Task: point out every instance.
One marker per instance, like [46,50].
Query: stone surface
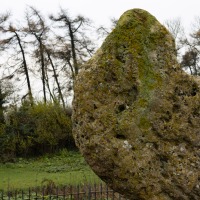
[137,114]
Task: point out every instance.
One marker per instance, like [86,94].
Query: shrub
[36,130]
[7,145]
[53,127]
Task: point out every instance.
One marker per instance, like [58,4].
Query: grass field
[61,169]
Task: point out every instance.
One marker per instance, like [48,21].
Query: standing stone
[136,116]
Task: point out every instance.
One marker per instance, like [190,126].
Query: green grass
[62,169]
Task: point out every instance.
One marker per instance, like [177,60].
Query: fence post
[71,191]
[8,195]
[101,191]
[36,194]
[29,193]
[64,192]
[106,192]
[89,192]
[78,192]
[22,195]
[57,192]
[42,192]
[95,191]
[2,194]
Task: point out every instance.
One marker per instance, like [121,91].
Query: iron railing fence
[79,192]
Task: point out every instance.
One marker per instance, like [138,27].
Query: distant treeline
[35,130]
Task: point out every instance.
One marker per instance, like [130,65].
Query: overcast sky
[100,11]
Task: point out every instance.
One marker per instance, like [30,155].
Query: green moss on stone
[136,114]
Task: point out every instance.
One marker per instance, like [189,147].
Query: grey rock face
[136,116]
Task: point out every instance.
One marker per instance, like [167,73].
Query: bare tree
[77,47]
[45,54]
[176,28]
[57,54]
[103,31]
[37,27]
[190,61]
[49,53]
[14,39]
[191,57]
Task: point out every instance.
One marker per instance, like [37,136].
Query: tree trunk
[25,68]
[75,63]
[42,67]
[56,79]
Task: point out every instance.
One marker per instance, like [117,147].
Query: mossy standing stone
[136,114]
